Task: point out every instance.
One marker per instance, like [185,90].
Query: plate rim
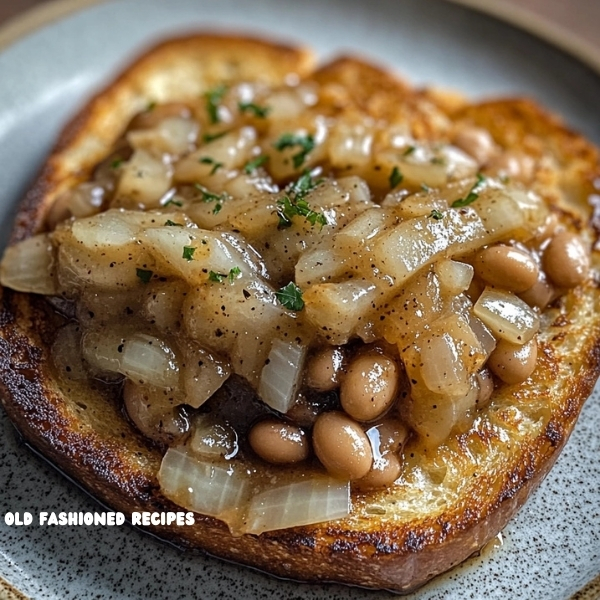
[37,17]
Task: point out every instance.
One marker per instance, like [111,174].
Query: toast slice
[449,501]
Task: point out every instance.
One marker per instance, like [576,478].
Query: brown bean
[392,434]
[566,260]
[278,442]
[369,388]
[324,369]
[512,363]
[385,470]
[475,141]
[515,165]
[342,446]
[506,267]
[539,294]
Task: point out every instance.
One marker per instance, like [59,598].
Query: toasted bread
[448,502]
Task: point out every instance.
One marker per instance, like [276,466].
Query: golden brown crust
[86,435]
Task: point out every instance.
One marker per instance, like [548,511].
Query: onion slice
[303,503]
[281,375]
[207,488]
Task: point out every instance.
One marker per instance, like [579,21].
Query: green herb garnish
[234,273]
[253,164]
[210,137]
[290,296]
[117,162]
[409,151]
[436,160]
[188,252]
[174,202]
[169,223]
[294,203]
[151,106]
[259,111]
[395,177]
[472,195]
[436,214]
[144,275]
[207,160]
[290,140]
[425,188]
[210,197]
[213,100]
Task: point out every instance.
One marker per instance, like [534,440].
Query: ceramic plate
[552,548]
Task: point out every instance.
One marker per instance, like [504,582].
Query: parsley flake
[188,252]
[410,150]
[253,164]
[425,188]
[211,137]
[210,197]
[472,195]
[213,100]
[259,111]
[144,275]
[117,162]
[173,202]
[395,177]
[290,296]
[436,214]
[151,106]
[207,160]
[294,203]
[169,223]
[234,273]
[290,140]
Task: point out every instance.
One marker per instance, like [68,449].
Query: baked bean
[486,388]
[392,434]
[278,442]
[512,363]
[506,267]
[369,387]
[324,369]
[342,446]
[540,294]
[514,165]
[476,142]
[385,470]
[566,260]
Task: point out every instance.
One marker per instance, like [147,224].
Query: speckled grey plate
[551,550]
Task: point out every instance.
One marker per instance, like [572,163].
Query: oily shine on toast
[448,501]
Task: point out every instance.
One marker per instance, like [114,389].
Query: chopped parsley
[395,177]
[259,111]
[410,150]
[472,195]
[425,188]
[173,202]
[294,203]
[436,160]
[151,106]
[117,162]
[207,160]
[188,252]
[234,273]
[211,137]
[253,164]
[436,214]
[291,140]
[144,275]
[213,100]
[210,197]
[290,296]
[169,223]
